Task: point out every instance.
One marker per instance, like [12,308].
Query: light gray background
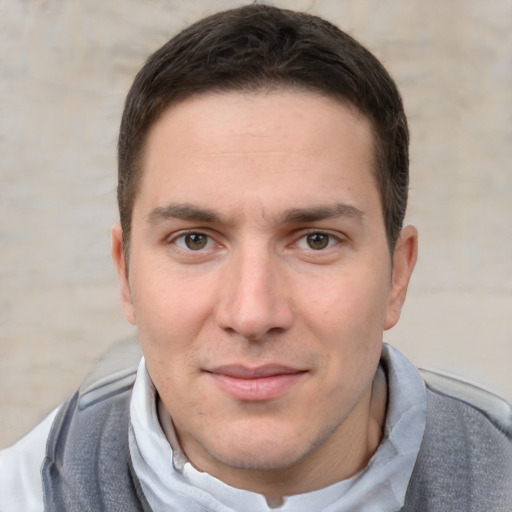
[65,68]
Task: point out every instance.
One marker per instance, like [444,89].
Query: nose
[254,299]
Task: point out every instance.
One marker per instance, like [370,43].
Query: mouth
[259,384]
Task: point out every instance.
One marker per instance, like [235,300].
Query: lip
[256,384]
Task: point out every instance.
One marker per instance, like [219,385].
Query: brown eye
[195,241]
[318,241]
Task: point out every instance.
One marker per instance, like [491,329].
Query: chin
[262,460]
[273,452]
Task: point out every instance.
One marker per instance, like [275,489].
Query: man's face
[260,277]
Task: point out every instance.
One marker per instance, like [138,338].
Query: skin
[258,244]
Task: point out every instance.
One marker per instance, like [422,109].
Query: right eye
[193,241]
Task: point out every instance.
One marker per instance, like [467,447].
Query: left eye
[317,241]
[193,241]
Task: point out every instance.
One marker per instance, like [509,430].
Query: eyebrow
[317,213]
[183,212]
[190,212]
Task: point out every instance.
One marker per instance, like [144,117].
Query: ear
[404,260]
[122,272]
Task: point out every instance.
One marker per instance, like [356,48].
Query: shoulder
[465,459]
[87,457]
[97,411]
[470,433]
[20,470]
[447,392]
[21,487]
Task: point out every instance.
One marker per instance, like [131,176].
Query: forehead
[236,108]
[257,142]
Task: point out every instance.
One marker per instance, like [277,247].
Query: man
[263,175]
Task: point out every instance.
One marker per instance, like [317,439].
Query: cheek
[351,306]
[164,300]
[170,317]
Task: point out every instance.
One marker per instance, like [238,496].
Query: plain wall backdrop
[65,68]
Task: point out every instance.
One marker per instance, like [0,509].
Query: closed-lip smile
[256,384]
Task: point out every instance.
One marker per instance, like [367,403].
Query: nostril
[230,330]
[276,330]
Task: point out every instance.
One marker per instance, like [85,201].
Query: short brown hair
[260,47]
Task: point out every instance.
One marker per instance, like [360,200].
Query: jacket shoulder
[497,410]
[114,373]
[87,465]
[465,459]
